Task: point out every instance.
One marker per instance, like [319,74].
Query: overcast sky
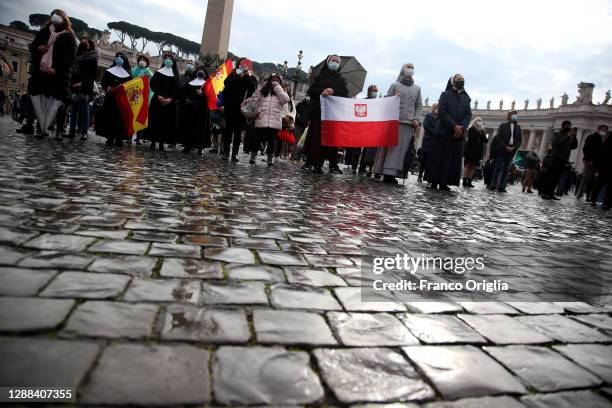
[530,49]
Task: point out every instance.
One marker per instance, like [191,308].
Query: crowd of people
[264,116]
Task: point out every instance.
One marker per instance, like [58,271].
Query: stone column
[532,136]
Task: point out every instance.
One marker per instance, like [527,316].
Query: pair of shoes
[234,158]
[317,170]
[70,135]
[353,172]
[26,130]
[469,183]
[40,135]
[161,147]
[213,150]
[420,179]
[529,192]
[199,152]
[58,137]
[390,180]
[369,174]
[377,176]
[433,186]
[502,190]
[270,162]
[335,170]
[444,188]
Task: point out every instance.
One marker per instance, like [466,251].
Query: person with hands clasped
[503,148]
[454,115]
[109,122]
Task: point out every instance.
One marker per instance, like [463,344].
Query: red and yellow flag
[215,83]
[133,100]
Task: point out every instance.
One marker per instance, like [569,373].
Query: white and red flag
[347,122]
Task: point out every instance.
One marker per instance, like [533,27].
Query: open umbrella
[46,108]
[351,70]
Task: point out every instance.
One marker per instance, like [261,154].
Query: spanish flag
[133,100]
[215,83]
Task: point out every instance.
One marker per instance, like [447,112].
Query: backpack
[250,106]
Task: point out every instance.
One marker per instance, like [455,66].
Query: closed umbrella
[351,70]
[45,108]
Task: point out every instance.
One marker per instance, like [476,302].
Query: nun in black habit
[110,124]
[195,116]
[454,115]
[166,88]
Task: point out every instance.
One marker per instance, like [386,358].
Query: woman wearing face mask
[268,121]
[195,116]
[329,82]
[110,124]
[454,113]
[239,85]
[140,70]
[392,162]
[162,112]
[429,125]
[474,150]
[83,87]
[53,56]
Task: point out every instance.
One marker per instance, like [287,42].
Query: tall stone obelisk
[215,38]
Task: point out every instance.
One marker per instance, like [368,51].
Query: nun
[195,116]
[166,87]
[110,125]
[392,162]
[454,116]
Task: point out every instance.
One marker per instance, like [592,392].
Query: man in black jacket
[563,142]
[603,172]
[591,156]
[503,148]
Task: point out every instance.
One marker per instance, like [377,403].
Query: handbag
[250,106]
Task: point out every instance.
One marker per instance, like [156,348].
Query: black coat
[502,140]
[64,57]
[444,163]
[162,118]
[326,79]
[302,111]
[562,145]
[236,89]
[593,149]
[194,117]
[429,124]
[475,146]
[86,72]
[109,122]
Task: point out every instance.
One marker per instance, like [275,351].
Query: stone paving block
[578,307]
[190,268]
[139,266]
[370,374]
[245,293]
[298,297]
[11,256]
[60,242]
[205,241]
[149,375]
[227,232]
[23,282]
[438,329]
[234,255]
[313,277]
[290,327]
[601,321]
[536,308]
[23,314]
[266,273]
[483,402]
[463,371]
[15,237]
[543,369]
[28,361]
[564,329]
[164,290]
[119,246]
[255,243]
[208,325]
[485,308]
[284,258]
[155,236]
[370,329]
[86,285]
[264,375]
[328,261]
[596,358]
[111,320]
[426,307]
[175,250]
[351,300]
[54,259]
[567,399]
[502,329]
[108,234]
[287,246]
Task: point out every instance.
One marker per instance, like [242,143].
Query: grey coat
[391,161]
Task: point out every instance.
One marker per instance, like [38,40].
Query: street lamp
[297,71]
[285,68]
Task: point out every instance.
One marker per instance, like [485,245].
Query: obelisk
[215,38]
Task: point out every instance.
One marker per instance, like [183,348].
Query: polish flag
[347,122]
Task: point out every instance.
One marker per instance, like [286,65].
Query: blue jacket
[453,109]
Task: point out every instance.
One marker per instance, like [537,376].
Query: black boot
[71,134]
[469,183]
[152,147]
[389,180]
[161,147]
[26,129]
[465,183]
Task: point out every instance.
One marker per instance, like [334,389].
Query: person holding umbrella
[454,114]
[392,162]
[53,56]
[110,124]
[328,82]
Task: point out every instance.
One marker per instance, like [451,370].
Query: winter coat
[593,149]
[86,72]
[502,140]
[64,57]
[410,101]
[326,79]
[270,109]
[562,145]
[429,124]
[475,146]
[236,90]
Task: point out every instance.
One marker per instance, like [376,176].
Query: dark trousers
[553,175]
[423,163]
[233,131]
[79,116]
[500,171]
[602,181]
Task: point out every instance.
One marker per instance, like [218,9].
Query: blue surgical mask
[514,118]
[168,63]
[118,61]
[374,95]
[333,65]
[189,67]
[239,71]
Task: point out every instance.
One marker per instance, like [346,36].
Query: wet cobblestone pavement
[157,278]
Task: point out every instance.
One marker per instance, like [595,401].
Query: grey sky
[528,49]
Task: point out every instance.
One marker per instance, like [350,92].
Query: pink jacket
[270,112]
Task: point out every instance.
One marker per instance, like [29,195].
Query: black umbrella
[350,69]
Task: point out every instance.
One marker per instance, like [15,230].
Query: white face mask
[57,19]
[142,64]
[409,71]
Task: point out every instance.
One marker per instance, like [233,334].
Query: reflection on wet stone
[86,285]
[191,268]
[313,277]
[23,282]
[365,329]
[255,272]
[175,250]
[282,258]
[247,293]
[296,297]
[568,399]
[236,255]
[170,290]
[21,314]
[434,329]
[117,246]
[501,329]
[564,329]
[140,266]
[288,327]
[209,325]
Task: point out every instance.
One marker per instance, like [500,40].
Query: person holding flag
[110,124]
[162,112]
[139,71]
